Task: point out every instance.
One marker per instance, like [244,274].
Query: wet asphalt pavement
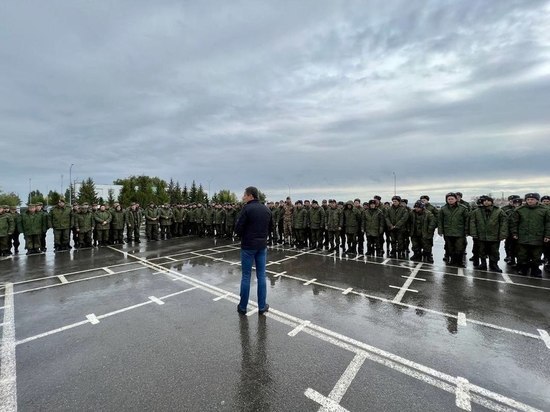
[154,327]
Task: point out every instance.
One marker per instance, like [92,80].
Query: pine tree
[185,194]
[53,198]
[87,193]
[111,197]
[193,193]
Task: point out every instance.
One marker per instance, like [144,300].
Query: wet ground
[155,327]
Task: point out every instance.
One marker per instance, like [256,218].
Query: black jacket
[253,225]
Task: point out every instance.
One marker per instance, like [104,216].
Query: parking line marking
[507,278]
[545,337]
[325,402]
[172,259]
[422,279]
[401,288]
[276,275]
[407,283]
[92,319]
[156,300]
[180,292]
[298,328]
[461,319]
[253,311]
[463,398]
[347,377]
[8,370]
[309,282]
[62,279]
[385,261]
[460,272]
[109,271]
[221,297]
[348,290]
[52,332]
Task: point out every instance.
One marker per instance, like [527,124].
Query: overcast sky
[322,98]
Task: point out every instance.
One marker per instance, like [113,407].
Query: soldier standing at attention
[299,222]
[31,227]
[317,224]
[351,227]
[84,223]
[396,219]
[453,226]
[152,222]
[545,200]
[134,217]
[508,209]
[531,227]
[117,224]
[489,225]
[45,224]
[165,220]
[373,227]
[61,222]
[102,223]
[15,235]
[422,227]
[288,210]
[7,226]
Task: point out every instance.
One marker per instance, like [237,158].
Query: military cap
[418,204]
[299,202]
[365,203]
[31,205]
[39,204]
[151,203]
[487,197]
[512,197]
[314,202]
[406,201]
[4,207]
[459,194]
[377,197]
[451,194]
[133,204]
[85,204]
[425,197]
[398,198]
[517,201]
[341,203]
[545,197]
[61,199]
[532,196]
[357,200]
[372,202]
[13,207]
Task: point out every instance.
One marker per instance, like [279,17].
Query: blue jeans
[248,256]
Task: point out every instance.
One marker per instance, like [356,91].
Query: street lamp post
[71,184]
[30,182]
[394,184]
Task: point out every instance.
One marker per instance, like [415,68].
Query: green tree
[178,197]
[224,196]
[111,197]
[10,199]
[202,197]
[185,194]
[36,197]
[261,196]
[87,193]
[193,193]
[142,189]
[53,198]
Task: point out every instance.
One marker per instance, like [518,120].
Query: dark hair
[252,191]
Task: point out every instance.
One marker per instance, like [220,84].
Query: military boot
[475,260]
[428,258]
[482,264]
[494,267]
[535,271]
[523,269]
[416,257]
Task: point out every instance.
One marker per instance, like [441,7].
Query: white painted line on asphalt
[298,328]
[507,278]
[348,290]
[461,319]
[221,297]
[545,337]
[309,282]
[422,279]
[406,285]
[252,312]
[347,377]
[160,272]
[52,332]
[385,261]
[325,402]
[92,319]
[109,271]
[8,370]
[62,279]
[156,300]
[463,399]
[460,272]
[172,259]
[276,275]
[180,292]
[401,288]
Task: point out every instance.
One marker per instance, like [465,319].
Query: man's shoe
[242,312]
[261,312]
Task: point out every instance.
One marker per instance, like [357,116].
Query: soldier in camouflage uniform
[152,222]
[177,226]
[531,227]
[545,201]
[299,223]
[307,230]
[288,210]
[373,227]
[324,205]
[422,225]
[117,224]
[453,226]
[7,226]
[219,220]
[333,223]
[317,224]
[358,209]
[84,223]
[74,213]
[508,209]
[61,222]
[45,224]
[30,225]
[15,235]
[351,227]
[209,220]
[165,220]
[103,224]
[397,217]
[133,220]
[230,219]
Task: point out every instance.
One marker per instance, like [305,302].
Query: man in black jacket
[253,227]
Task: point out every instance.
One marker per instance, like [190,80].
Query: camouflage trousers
[287,228]
[529,254]
[33,242]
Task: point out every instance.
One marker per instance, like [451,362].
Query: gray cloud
[323,97]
